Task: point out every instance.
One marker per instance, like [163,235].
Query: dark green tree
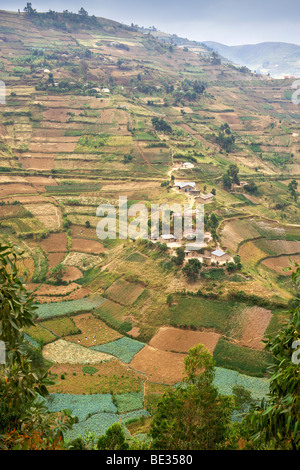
[193,416]
[192,269]
[292,187]
[113,439]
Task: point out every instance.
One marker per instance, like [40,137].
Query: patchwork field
[159,366]
[116,318]
[176,340]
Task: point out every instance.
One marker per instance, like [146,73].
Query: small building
[185,186]
[168,237]
[187,165]
[220,256]
[195,192]
[105,90]
[205,198]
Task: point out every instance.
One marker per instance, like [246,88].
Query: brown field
[74,295]
[81,231]
[34,163]
[279,263]
[134,332]
[72,273]
[159,366]
[87,246]
[56,242]
[56,114]
[110,377]
[41,180]
[93,331]
[48,290]
[15,188]
[248,327]
[175,339]
[256,323]
[55,258]
[55,147]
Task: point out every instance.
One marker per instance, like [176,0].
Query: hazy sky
[231,22]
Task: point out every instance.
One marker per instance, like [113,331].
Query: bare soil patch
[55,258]
[134,332]
[76,294]
[15,188]
[83,232]
[72,274]
[280,262]
[159,366]
[249,326]
[175,339]
[56,242]
[87,246]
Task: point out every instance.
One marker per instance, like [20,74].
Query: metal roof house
[185,186]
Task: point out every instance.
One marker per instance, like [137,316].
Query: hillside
[96,110]
[278,59]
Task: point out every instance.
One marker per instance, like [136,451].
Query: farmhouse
[195,192]
[187,165]
[205,198]
[168,237]
[185,186]
[220,256]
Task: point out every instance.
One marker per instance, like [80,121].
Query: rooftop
[218,253]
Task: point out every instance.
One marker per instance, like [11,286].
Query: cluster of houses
[194,249]
[189,188]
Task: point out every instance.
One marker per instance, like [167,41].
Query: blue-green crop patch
[96,424]
[56,309]
[226,379]
[129,401]
[81,406]
[123,348]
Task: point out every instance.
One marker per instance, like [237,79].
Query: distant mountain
[279,59]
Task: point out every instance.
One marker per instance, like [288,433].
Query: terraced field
[116,317]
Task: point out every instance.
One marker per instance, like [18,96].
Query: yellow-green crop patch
[40,334]
[61,326]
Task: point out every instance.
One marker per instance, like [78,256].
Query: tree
[180,256]
[114,439]
[275,423]
[29,10]
[194,416]
[161,125]
[58,272]
[23,420]
[292,187]
[233,171]
[226,181]
[169,300]
[251,187]
[192,269]
[83,12]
